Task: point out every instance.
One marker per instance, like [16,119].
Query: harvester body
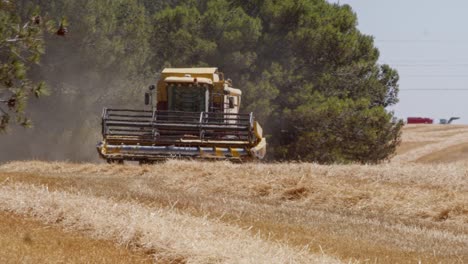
[192,113]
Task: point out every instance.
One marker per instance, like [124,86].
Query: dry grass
[407,146]
[457,153]
[382,213]
[199,212]
[171,237]
[29,241]
[430,143]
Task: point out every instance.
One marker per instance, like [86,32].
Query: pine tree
[21,45]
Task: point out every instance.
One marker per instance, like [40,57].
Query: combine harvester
[192,113]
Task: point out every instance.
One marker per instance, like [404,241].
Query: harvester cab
[191,113]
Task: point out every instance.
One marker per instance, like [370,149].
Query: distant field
[412,209]
[433,144]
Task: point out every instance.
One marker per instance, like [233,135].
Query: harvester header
[190,113]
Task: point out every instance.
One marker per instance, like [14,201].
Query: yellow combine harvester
[193,113]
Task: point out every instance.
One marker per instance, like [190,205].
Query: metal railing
[175,127]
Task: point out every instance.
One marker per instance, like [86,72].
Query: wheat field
[413,209]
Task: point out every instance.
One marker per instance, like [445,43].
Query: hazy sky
[427,42]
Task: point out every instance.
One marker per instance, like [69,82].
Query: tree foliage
[21,45]
[309,75]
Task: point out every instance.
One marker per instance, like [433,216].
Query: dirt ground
[24,240]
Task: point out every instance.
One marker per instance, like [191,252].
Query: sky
[427,42]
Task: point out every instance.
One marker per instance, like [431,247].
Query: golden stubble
[384,213]
[412,209]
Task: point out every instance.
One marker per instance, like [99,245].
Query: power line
[430,65]
[435,89]
[427,60]
[432,75]
[423,40]
[430,62]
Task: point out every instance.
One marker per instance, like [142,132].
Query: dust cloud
[67,124]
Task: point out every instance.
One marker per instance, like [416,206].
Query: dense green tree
[216,34]
[330,86]
[312,79]
[291,57]
[330,129]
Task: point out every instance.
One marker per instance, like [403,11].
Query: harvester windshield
[187,97]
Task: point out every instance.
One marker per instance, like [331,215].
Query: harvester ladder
[154,130]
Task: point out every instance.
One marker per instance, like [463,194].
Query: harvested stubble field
[412,209]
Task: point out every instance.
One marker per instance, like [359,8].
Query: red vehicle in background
[420,120]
